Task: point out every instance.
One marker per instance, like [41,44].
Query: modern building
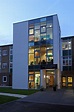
[6,63]
[37,54]
[67,61]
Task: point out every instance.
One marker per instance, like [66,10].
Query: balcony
[43,65]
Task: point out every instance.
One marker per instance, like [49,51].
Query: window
[67,61]
[49,25]
[11,58]
[31,38]
[0,52]
[69,79]
[66,44]
[37,35]
[37,53]
[43,36]
[0,58]
[4,52]
[63,81]
[31,31]
[11,64]
[4,65]
[49,33]
[31,43]
[37,26]
[42,19]
[43,29]
[0,65]
[4,78]
[11,51]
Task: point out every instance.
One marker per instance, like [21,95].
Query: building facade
[6,57]
[36,49]
[67,61]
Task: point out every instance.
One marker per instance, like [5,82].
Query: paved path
[61,97]
[46,101]
[15,95]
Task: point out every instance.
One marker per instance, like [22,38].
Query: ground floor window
[34,80]
[4,78]
[67,81]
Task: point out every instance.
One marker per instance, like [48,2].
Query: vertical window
[4,78]
[37,35]
[43,29]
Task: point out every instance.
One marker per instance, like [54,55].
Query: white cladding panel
[56,40]
[20,55]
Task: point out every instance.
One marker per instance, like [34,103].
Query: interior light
[44,76]
[48,48]
[69,42]
[50,26]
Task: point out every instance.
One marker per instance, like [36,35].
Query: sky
[12,11]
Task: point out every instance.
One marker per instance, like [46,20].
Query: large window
[34,80]
[43,29]
[37,35]
[66,54]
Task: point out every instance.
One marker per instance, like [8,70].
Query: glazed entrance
[49,78]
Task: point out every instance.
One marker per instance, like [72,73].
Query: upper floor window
[31,31]
[4,52]
[11,51]
[43,29]
[49,25]
[31,38]
[0,65]
[42,19]
[11,64]
[0,52]
[37,26]
[66,44]
[4,65]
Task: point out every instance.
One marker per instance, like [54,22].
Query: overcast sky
[12,11]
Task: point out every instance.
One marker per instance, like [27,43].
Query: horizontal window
[31,38]
[4,52]
[4,65]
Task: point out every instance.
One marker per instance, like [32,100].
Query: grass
[17,91]
[5,99]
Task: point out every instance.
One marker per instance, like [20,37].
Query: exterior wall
[5,59]
[68,73]
[4,71]
[20,57]
[72,53]
[56,48]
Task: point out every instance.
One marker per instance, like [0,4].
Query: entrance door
[51,82]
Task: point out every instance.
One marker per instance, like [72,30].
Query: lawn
[17,91]
[5,99]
